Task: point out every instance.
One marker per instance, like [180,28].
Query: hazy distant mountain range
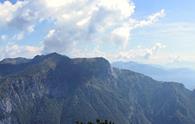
[182,75]
[54,89]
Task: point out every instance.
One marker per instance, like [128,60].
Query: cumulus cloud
[8,9]
[139,53]
[95,22]
[151,51]
[99,22]
[150,19]
[14,50]
[19,18]
[86,26]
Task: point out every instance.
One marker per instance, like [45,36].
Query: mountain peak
[82,67]
[52,56]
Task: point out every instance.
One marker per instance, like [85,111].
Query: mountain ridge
[55,89]
[182,75]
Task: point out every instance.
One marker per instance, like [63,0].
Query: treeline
[97,122]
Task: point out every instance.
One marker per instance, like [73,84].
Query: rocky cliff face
[54,89]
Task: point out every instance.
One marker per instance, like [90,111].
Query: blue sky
[13,1]
[175,30]
[181,10]
[147,31]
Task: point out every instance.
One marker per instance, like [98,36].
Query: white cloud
[97,22]
[57,3]
[7,10]
[125,7]
[151,54]
[3,37]
[150,19]
[14,50]
[140,53]
[151,51]
[78,25]
[19,18]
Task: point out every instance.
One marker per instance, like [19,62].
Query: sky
[147,31]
